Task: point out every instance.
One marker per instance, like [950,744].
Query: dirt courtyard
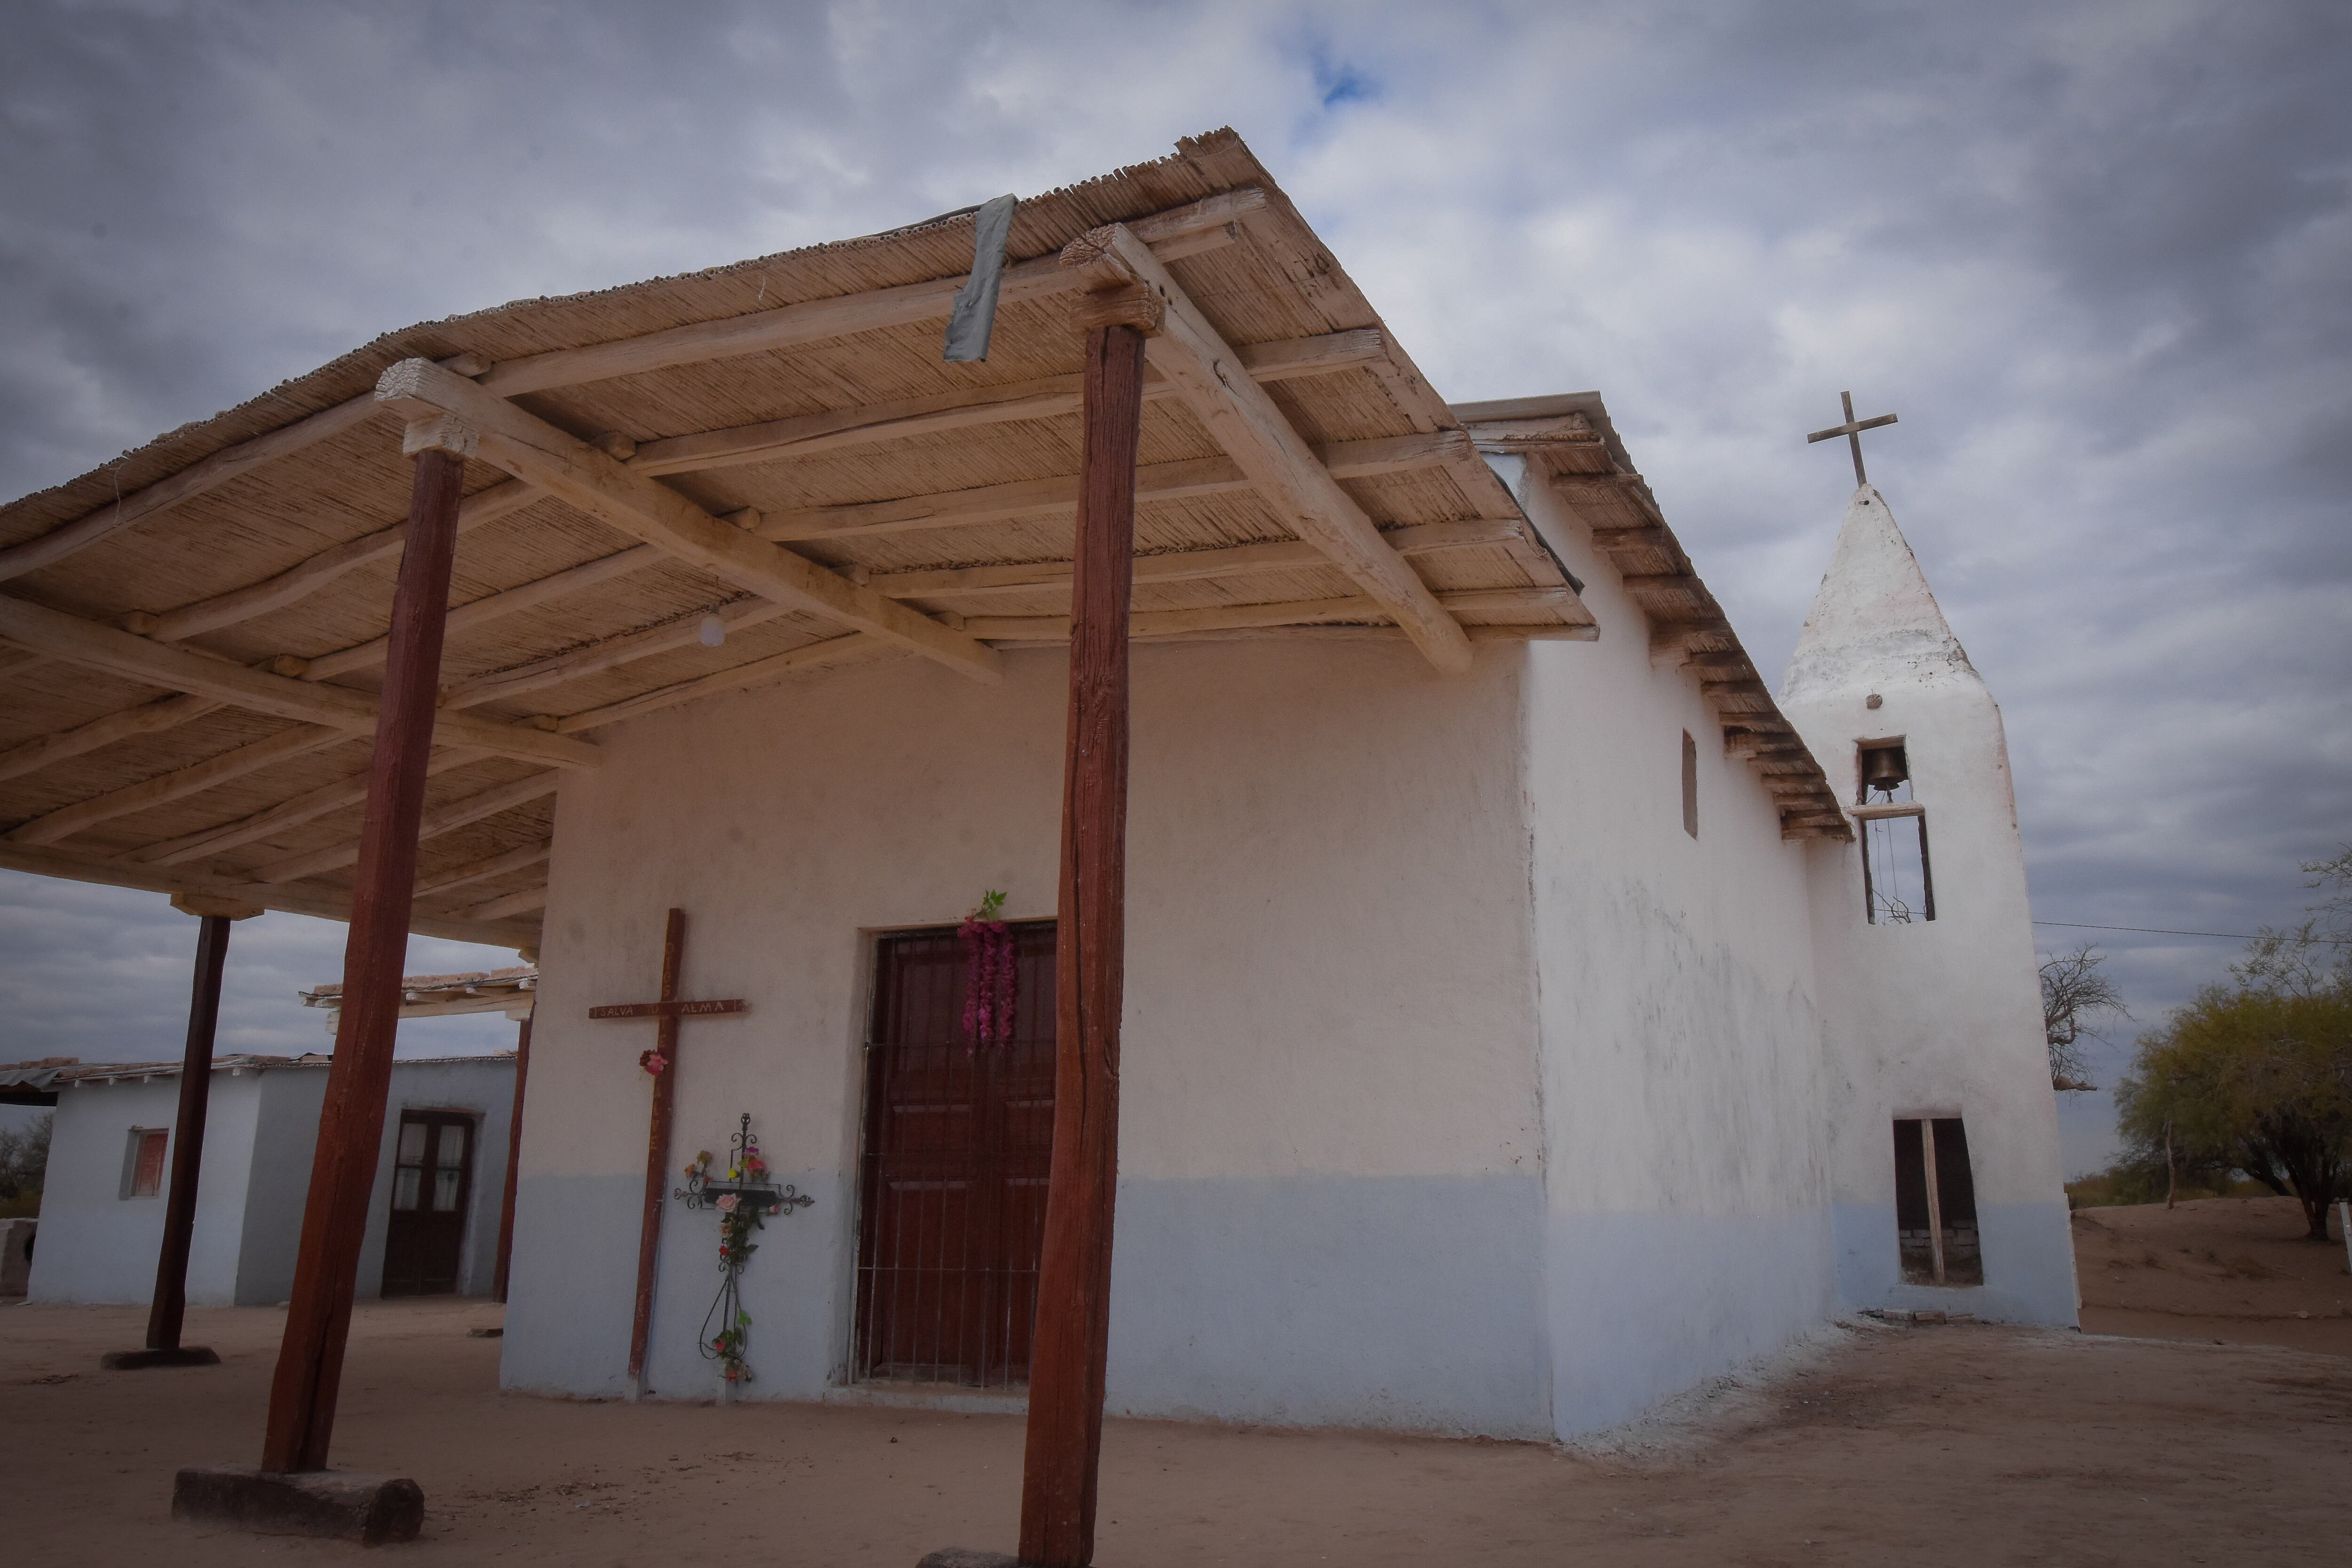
[1957,1444]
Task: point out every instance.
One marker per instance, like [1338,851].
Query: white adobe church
[1493,1062]
[1512,1036]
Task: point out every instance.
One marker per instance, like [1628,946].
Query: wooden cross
[1851,430]
[662,1062]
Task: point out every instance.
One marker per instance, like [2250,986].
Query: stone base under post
[337,1504]
[179,1355]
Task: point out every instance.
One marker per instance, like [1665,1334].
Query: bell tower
[1943,1156]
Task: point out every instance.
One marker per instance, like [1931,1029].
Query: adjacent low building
[433,1226]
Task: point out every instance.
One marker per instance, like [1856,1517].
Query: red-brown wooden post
[514,1159]
[641,1324]
[167,1311]
[350,1124]
[1073,1334]
[169,1308]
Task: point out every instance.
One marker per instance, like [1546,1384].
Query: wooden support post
[350,1124]
[1935,1199]
[514,1158]
[168,1310]
[1065,1377]
[169,1307]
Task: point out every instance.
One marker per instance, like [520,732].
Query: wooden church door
[958,1143]
[432,1178]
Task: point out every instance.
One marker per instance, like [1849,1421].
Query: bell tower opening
[1897,886]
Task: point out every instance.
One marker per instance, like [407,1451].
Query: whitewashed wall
[1331,1203]
[1686,1199]
[97,1246]
[1940,1017]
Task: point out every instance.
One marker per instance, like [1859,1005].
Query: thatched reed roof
[193,632]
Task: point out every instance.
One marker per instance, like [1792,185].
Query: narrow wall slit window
[1935,1203]
[1690,785]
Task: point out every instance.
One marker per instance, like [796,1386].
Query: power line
[2160,931]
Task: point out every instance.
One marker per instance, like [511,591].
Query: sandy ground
[1955,1445]
[2237,1270]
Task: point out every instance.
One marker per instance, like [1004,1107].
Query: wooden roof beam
[227,463]
[742,677]
[446,818]
[309,806]
[147,718]
[1186,566]
[326,903]
[537,452]
[1043,397]
[93,647]
[83,815]
[306,577]
[488,866]
[1244,422]
[1182,230]
[1284,612]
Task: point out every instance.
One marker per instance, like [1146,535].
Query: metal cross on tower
[1851,430]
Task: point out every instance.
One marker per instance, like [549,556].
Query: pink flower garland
[988,997]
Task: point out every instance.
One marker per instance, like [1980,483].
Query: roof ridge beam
[1194,226]
[1244,421]
[95,646]
[529,448]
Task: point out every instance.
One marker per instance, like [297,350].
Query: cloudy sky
[2097,255]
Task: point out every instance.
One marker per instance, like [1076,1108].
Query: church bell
[1884,768]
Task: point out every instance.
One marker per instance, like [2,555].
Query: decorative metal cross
[661,1062]
[742,1194]
[1851,430]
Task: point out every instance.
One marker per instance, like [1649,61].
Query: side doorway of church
[959,1140]
[432,1182]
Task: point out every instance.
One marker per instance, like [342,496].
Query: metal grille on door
[959,1139]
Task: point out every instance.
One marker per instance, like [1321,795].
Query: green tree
[2255,1078]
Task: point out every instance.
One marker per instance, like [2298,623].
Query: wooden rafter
[1287,613]
[327,903]
[1287,474]
[533,450]
[309,806]
[445,819]
[742,677]
[195,779]
[306,577]
[147,718]
[1188,227]
[94,646]
[499,864]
